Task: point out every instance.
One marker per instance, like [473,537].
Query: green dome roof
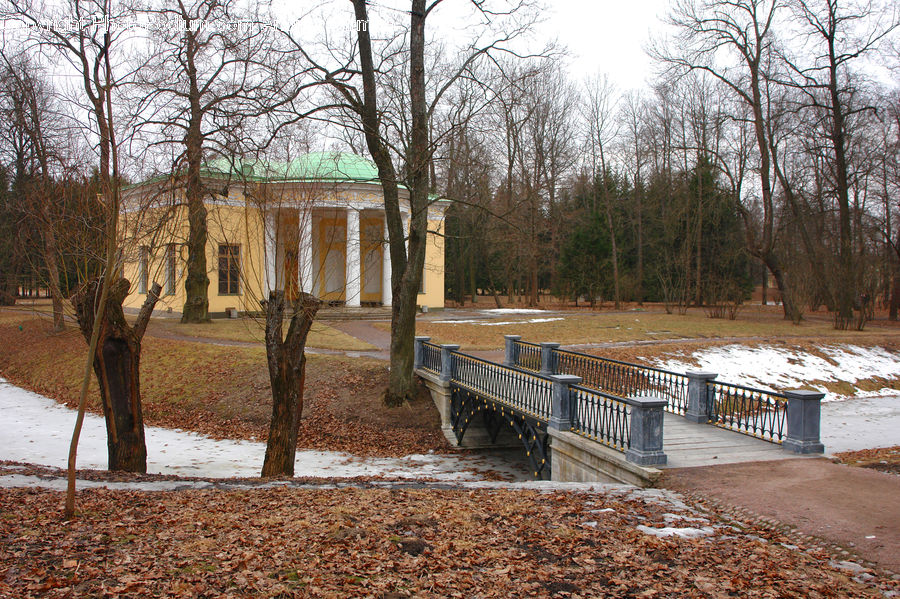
[333,166]
[336,167]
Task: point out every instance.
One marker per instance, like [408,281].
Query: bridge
[586,418]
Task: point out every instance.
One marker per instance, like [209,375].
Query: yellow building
[315,224]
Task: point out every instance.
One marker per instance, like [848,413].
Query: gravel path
[854,508]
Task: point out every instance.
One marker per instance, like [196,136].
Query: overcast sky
[603,36]
[607,36]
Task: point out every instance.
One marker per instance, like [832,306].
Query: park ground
[392,542]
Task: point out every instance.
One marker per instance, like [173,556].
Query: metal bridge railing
[526,393]
[528,356]
[537,404]
[625,379]
[601,417]
[618,403]
[431,357]
[791,417]
[750,411]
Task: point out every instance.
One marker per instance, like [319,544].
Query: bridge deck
[688,444]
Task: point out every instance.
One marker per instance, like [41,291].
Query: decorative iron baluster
[528,356]
[536,442]
[502,394]
[523,391]
[755,412]
[601,417]
[625,379]
[431,357]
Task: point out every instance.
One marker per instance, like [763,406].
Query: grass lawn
[224,391]
[245,329]
[651,323]
[252,330]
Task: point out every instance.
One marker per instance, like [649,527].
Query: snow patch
[669,517]
[785,368]
[661,497]
[668,531]
[492,323]
[37,430]
[529,321]
[59,484]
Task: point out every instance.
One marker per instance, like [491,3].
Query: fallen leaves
[386,542]
[884,459]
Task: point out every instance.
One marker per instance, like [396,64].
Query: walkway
[688,444]
[855,508]
[847,425]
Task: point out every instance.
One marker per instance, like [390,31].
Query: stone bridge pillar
[646,431]
[547,362]
[511,351]
[698,409]
[803,422]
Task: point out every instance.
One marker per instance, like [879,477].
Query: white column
[406,220]
[270,234]
[304,252]
[353,279]
[387,296]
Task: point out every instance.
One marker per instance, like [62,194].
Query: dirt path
[364,331]
[855,508]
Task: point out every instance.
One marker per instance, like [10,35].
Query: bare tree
[30,118]
[634,117]
[200,85]
[603,127]
[733,40]
[394,110]
[831,97]
[285,352]
[87,50]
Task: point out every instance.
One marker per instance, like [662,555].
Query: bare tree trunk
[791,312]
[895,290]
[196,284]
[533,274]
[286,359]
[117,360]
[895,296]
[698,275]
[51,260]
[844,287]
[406,268]
[639,275]
[473,282]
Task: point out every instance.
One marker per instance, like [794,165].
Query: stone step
[336,313]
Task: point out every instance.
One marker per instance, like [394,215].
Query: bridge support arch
[477,435]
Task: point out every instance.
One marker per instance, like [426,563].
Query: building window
[143,269]
[229,269]
[170,269]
